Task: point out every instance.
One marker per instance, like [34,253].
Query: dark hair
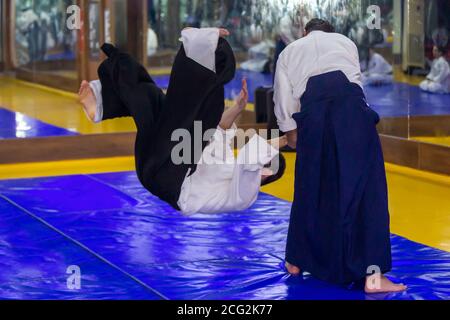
[442,50]
[277,176]
[320,25]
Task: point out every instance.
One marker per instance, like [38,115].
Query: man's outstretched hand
[242,99]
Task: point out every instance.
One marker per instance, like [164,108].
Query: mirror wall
[44,49]
[397,51]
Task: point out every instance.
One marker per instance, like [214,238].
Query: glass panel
[44,45]
[430,106]
[260,29]
[94,29]
[120,24]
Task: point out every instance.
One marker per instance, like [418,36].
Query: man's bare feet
[87,98]
[380,284]
[293,270]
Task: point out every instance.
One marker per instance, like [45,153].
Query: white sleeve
[285,103]
[442,72]
[200,45]
[246,181]
[96,87]
[430,75]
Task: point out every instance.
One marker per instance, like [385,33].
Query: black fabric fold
[195,93]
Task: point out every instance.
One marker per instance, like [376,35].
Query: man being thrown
[212,180]
[339,227]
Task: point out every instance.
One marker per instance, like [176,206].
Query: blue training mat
[17,125]
[130,245]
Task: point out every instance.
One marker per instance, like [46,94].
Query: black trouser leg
[128,90]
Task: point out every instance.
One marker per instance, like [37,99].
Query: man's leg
[124,89]
[424,85]
[90,95]
[435,87]
[375,79]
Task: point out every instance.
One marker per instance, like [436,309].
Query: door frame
[136,34]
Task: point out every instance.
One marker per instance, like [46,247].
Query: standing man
[339,227]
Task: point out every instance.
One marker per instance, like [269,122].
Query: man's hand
[292,139]
[242,99]
[223,32]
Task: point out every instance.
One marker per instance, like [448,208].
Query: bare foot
[293,270]
[87,98]
[278,143]
[380,284]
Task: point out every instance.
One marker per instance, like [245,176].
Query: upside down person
[212,181]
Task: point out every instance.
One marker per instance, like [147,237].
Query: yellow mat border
[121,164]
[72,95]
[117,164]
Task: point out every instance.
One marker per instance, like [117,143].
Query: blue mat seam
[95,254]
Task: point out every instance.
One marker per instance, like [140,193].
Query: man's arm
[292,138]
[285,103]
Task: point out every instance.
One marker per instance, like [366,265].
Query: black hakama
[195,93]
[339,223]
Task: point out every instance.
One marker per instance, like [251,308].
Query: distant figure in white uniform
[152,42]
[438,80]
[379,71]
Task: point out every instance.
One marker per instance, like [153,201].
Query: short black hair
[442,50]
[319,25]
[277,176]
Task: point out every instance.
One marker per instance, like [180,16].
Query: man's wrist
[292,138]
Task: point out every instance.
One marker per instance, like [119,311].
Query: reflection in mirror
[427,64]
[45,48]
[400,43]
